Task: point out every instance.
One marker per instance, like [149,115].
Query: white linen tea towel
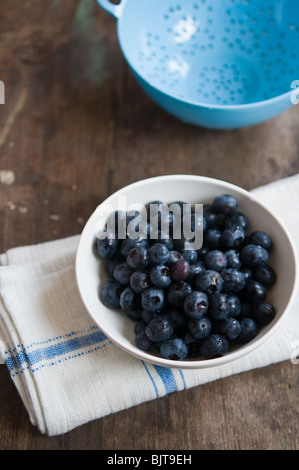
[65,369]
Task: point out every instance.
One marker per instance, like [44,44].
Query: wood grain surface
[75,127]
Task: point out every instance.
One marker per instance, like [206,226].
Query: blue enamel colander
[217,64]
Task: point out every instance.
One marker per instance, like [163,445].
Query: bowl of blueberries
[186,271]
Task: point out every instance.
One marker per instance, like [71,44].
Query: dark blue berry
[235,305]
[153,299]
[196,304]
[134,313]
[162,237]
[212,238]
[111,294]
[174,349]
[254,255]
[139,326]
[254,292]
[233,280]
[209,282]
[159,329]
[260,238]
[233,237]
[177,293]
[160,276]
[236,219]
[180,270]
[190,255]
[139,281]
[219,306]
[158,253]
[265,275]
[174,256]
[216,260]
[177,318]
[210,215]
[230,328]
[195,269]
[138,258]
[263,313]
[225,204]
[107,247]
[130,243]
[122,273]
[200,327]
[129,299]
[214,346]
[233,259]
[142,341]
[248,330]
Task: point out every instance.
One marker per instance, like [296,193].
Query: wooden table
[76,127]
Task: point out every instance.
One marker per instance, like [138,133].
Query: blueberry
[190,255]
[159,329]
[212,238]
[122,273]
[130,243]
[216,260]
[153,299]
[180,270]
[236,219]
[230,328]
[248,330]
[139,281]
[195,269]
[214,346]
[254,292]
[194,223]
[247,272]
[139,326]
[129,299]
[177,293]
[260,238]
[233,259]
[177,318]
[111,294]
[233,237]
[209,282]
[225,204]
[235,305]
[210,215]
[175,349]
[134,313]
[174,256]
[142,341]
[148,316]
[263,313]
[110,265]
[254,255]
[202,252]
[138,257]
[196,304]
[265,275]
[107,247]
[200,327]
[158,253]
[233,280]
[160,276]
[219,306]
[163,238]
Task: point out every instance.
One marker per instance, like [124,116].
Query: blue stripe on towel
[167,377]
[53,351]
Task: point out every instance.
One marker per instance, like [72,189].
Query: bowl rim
[210,107]
[187,364]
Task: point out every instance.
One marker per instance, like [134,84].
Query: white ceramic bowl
[192,189]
